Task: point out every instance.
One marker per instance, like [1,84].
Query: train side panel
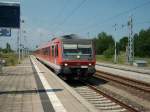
[53,55]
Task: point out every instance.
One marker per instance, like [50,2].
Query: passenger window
[46,51]
[56,50]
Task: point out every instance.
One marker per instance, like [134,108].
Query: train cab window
[56,50]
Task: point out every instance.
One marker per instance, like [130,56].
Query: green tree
[123,42]
[8,48]
[142,43]
[103,42]
[109,52]
[1,49]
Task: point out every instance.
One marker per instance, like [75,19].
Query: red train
[69,56]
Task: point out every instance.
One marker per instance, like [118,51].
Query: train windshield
[77,49]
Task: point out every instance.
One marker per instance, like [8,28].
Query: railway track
[100,100]
[123,80]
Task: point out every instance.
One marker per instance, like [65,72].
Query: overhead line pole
[115,56]
[130,42]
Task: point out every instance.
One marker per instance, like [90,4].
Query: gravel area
[135,98]
[133,91]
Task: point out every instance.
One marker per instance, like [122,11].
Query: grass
[121,59]
[102,58]
[10,58]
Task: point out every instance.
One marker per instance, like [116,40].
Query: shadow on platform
[30,91]
[16,74]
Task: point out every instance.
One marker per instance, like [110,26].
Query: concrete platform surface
[67,99]
[143,70]
[125,73]
[18,89]
[31,87]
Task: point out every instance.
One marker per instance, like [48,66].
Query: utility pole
[23,40]
[115,56]
[19,36]
[21,51]
[88,34]
[130,42]
[18,44]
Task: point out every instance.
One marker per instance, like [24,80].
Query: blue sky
[47,18]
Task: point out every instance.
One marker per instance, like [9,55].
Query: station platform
[18,89]
[143,70]
[31,87]
[125,71]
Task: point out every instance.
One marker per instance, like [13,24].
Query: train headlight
[90,64]
[66,64]
[78,56]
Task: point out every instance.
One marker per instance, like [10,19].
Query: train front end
[78,58]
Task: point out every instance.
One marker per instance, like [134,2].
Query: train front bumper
[79,71]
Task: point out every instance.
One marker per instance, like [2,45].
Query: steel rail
[140,85]
[128,107]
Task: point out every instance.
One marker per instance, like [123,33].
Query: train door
[49,55]
[53,53]
[56,54]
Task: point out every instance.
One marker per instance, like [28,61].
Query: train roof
[72,38]
[44,45]
[64,37]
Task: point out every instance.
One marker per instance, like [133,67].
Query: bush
[10,58]
[109,52]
